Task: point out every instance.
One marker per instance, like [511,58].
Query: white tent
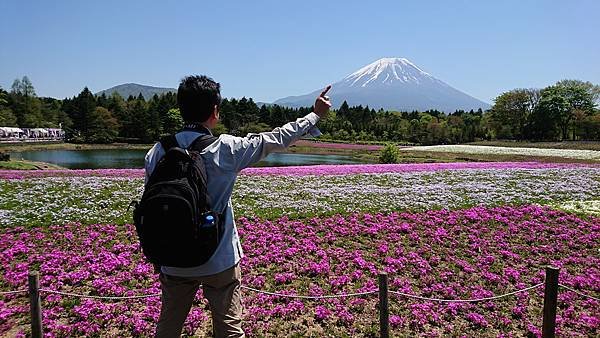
[10,131]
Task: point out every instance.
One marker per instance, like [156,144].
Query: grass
[577,145]
[27,165]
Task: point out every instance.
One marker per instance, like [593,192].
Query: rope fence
[311,297]
[100,297]
[12,292]
[465,300]
[579,293]
[550,299]
[342,295]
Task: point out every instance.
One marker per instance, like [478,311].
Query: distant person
[199,99]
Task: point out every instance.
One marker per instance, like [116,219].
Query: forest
[567,110]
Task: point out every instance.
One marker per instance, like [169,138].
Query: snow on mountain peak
[387,71]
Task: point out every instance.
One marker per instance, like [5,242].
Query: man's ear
[215,113]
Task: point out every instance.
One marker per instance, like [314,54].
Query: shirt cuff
[313,118]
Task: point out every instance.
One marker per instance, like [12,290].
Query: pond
[134,158]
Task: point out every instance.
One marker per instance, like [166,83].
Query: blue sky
[272,49]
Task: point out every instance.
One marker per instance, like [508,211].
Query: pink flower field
[326,169]
[453,253]
[472,253]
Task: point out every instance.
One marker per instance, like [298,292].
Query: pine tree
[83,107]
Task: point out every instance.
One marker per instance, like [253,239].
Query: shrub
[389,154]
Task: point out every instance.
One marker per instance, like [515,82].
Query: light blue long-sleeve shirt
[224,159]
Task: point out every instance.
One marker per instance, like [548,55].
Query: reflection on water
[131,158]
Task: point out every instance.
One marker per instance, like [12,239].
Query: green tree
[219,129]
[3,97]
[580,96]
[7,118]
[264,115]
[103,128]
[229,113]
[592,89]
[24,103]
[512,111]
[83,107]
[344,111]
[118,107]
[252,128]
[138,124]
[552,112]
[247,110]
[154,118]
[102,101]
[172,122]
[389,154]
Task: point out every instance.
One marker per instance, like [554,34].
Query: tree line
[564,111]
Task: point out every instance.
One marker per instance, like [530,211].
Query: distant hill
[392,84]
[135,89]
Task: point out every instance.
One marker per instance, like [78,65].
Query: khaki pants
[222,291]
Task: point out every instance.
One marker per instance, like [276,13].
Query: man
[199,98]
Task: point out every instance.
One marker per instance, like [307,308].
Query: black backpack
[174,221]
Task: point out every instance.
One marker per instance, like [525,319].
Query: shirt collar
[197,127]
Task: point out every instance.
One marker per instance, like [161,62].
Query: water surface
[134,158]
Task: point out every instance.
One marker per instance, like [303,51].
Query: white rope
[12,292]
[466,300]
[310,297]
[99,297]
[577,292]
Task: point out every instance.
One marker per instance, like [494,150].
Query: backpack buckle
[133,204]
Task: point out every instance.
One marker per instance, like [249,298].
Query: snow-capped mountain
[392,84]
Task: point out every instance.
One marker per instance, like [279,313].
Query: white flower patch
[415,191]
[485,150]
[58,200]
[586,207]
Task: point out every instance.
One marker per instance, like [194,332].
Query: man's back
[224,159]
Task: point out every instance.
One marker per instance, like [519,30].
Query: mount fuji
[392,84]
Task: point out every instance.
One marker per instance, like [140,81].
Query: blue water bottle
[209,221]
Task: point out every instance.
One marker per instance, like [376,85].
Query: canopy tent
[11,130]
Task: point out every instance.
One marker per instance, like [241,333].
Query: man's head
[198,98]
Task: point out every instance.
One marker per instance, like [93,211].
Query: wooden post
[550,300]
[384,314]
[35,305]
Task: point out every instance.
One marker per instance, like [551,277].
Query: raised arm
[253,148]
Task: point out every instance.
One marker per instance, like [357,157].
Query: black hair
[197,97]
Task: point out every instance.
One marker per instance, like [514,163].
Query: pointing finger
[325,91]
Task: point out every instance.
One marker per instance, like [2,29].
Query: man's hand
[322,103]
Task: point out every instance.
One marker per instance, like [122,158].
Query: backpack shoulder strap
[202,141]
[169,142]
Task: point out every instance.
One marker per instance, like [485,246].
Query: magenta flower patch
[470,253]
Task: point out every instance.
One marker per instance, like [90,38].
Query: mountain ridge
[134,89]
